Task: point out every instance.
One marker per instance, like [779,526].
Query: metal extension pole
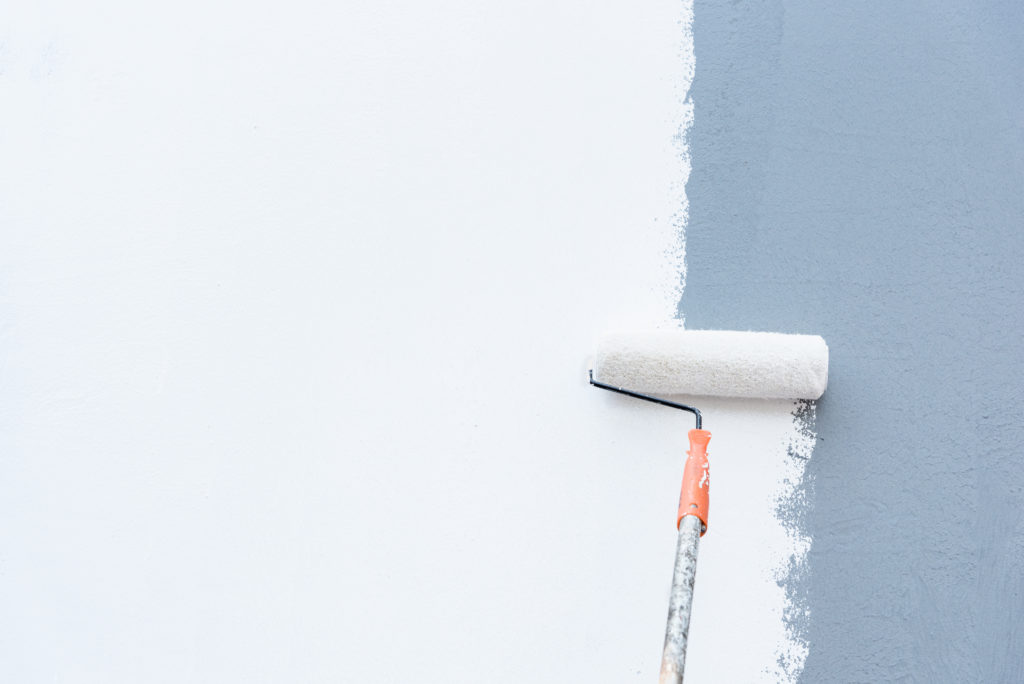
[673,657]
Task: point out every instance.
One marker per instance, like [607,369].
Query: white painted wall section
[295,305]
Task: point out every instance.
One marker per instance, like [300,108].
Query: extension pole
[692,523]
[673,657]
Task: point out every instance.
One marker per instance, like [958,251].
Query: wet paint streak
[791,509]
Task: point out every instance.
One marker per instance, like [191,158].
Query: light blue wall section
[858,171]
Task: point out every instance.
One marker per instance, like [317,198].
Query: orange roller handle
[693,498]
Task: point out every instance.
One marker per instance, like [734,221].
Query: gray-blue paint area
[858,172]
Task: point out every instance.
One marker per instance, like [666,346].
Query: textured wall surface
[858,171]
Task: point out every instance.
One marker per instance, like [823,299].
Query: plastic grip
[693,497]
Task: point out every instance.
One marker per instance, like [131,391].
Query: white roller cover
[721,363]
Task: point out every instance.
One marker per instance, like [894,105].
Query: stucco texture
[858,172]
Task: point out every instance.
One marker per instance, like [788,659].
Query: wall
[296,303]
[857,173]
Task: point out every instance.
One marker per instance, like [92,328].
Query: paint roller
[648,364]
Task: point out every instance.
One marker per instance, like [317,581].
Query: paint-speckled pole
[673,657]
